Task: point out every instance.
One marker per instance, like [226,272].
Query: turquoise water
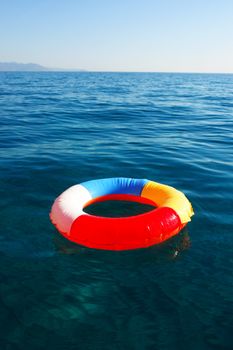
[59,129]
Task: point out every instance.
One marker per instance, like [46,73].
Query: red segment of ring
[125,233]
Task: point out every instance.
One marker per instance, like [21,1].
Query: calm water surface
[59,129]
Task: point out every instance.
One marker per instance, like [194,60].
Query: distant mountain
[29,67]
[25,67]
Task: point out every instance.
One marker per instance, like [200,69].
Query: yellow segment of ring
[167,196]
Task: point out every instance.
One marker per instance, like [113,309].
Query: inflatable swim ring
[172,212]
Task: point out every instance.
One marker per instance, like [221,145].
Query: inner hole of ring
[119,206]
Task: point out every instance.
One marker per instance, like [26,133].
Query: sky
[119,35]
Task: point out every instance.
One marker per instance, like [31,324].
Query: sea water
[59,129]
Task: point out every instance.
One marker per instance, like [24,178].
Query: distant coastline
[30,67]
[34,67]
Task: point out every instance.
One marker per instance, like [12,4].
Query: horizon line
[80,70]
[37,67]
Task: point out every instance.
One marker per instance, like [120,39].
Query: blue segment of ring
[115,185]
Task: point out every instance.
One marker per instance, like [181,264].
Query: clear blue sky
[119,35]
